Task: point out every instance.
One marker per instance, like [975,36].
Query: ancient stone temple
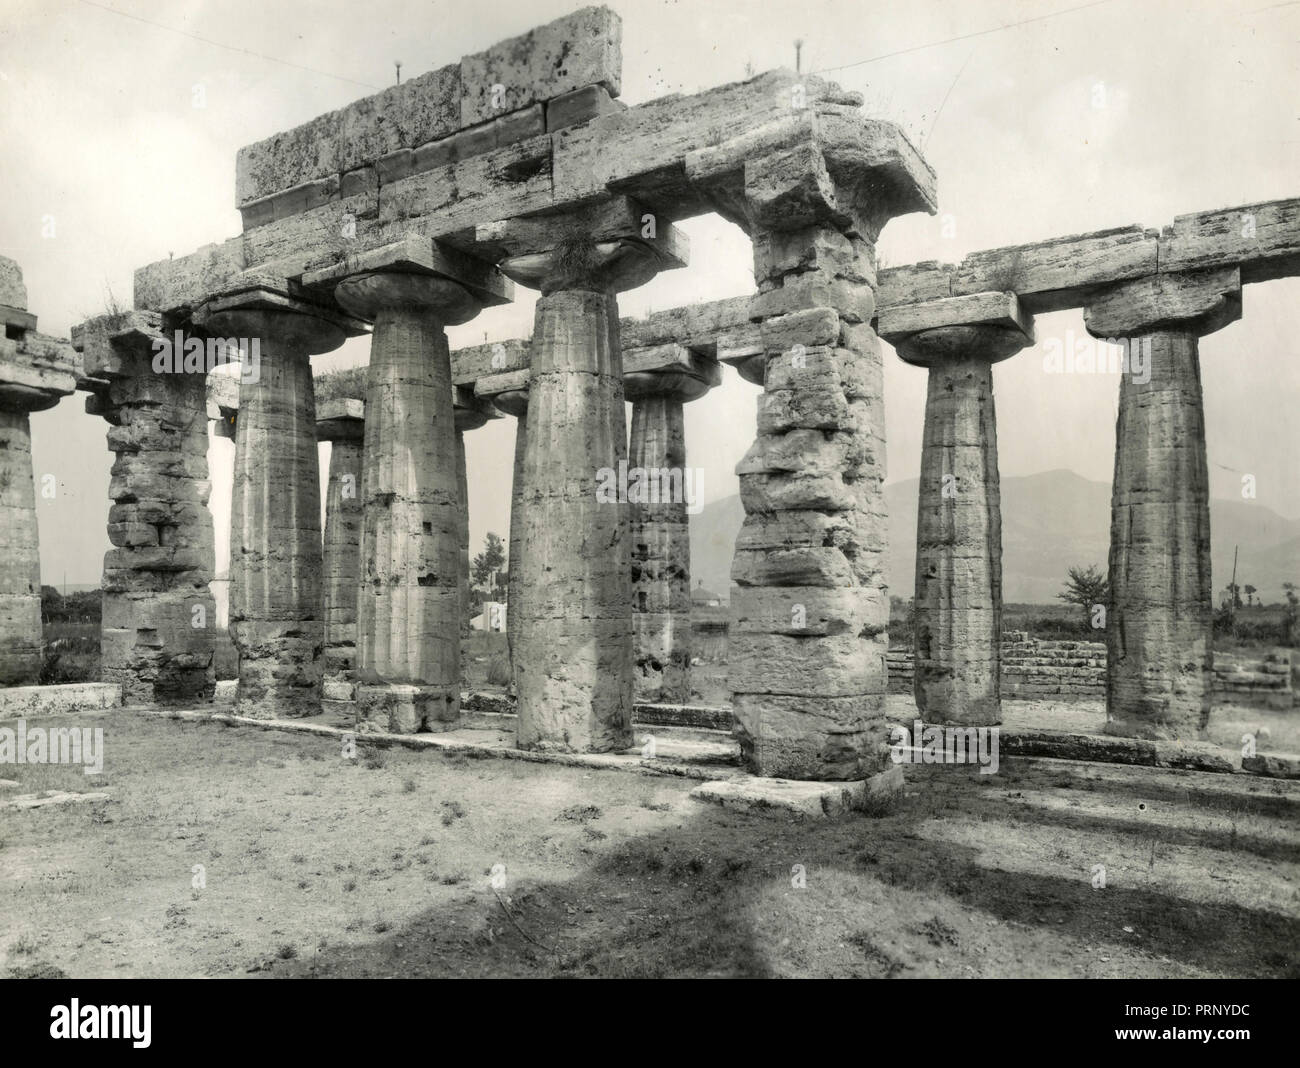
[35,371]
[413,210]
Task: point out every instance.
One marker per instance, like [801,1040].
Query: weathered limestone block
[342,423]
[276,604]
[1159,665]
[158,631]
[573,646]
[958,601]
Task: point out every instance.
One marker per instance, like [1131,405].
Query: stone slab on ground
[1273,765]
[683,758]
[24,701]
[1066,745]
[53,797]
[706,717]
[751,793]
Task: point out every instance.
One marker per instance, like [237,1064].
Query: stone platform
[23,701]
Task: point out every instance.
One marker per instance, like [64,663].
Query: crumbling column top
[1200,301]
[988,326]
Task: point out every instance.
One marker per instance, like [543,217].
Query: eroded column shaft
[661,553]
[1158,633]
[275,541]
[959,549]
[408,611]
[514,586]
[342,557]
[20,563]
[573,640]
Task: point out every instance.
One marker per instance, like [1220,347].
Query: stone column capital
[415,273]
[670,371]
[607,247]
[470,412]
[272,315]
[1197,301]
[341,420]
[982,326]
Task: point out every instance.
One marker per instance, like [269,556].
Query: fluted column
[20,567]
[958,594]
[573,638]
[276,611]
[470,414]
[1159,621]
[661,538]
[515,402]
[342,423]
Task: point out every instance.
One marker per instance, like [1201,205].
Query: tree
[1290,614]
[1250,595]
[492,558]
[1085,587]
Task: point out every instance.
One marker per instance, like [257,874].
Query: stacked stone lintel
[158,632]
[1159,622]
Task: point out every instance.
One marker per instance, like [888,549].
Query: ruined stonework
[158,633]
[661,554]
[1159,624]
[342,423]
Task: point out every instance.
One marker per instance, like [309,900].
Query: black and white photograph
[659,490]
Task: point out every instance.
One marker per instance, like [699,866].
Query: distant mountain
[1050,522]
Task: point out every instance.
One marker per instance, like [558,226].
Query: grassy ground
[317,865]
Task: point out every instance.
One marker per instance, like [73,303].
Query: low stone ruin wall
[1066,670]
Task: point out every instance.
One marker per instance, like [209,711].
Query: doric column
[33,376]
[661,541]
[408,608]
[573,639]
[514,401]
[809,605]
[276,617]
[1159,655]
[958,594]
[470,414]
[158,628]
[342,423]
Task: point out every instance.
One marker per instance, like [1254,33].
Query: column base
[407,709]
[819,738]
[279,668]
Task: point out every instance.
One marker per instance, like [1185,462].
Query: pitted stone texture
[462,529]
[806,659]
[661,556]
[518,403]
[408,608]
[573,643]
[1158,630]
[158,629]
[12,291]
[958,626]
[20,564]
[342,556]
[276,560]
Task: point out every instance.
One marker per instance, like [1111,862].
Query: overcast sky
[1065,118]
